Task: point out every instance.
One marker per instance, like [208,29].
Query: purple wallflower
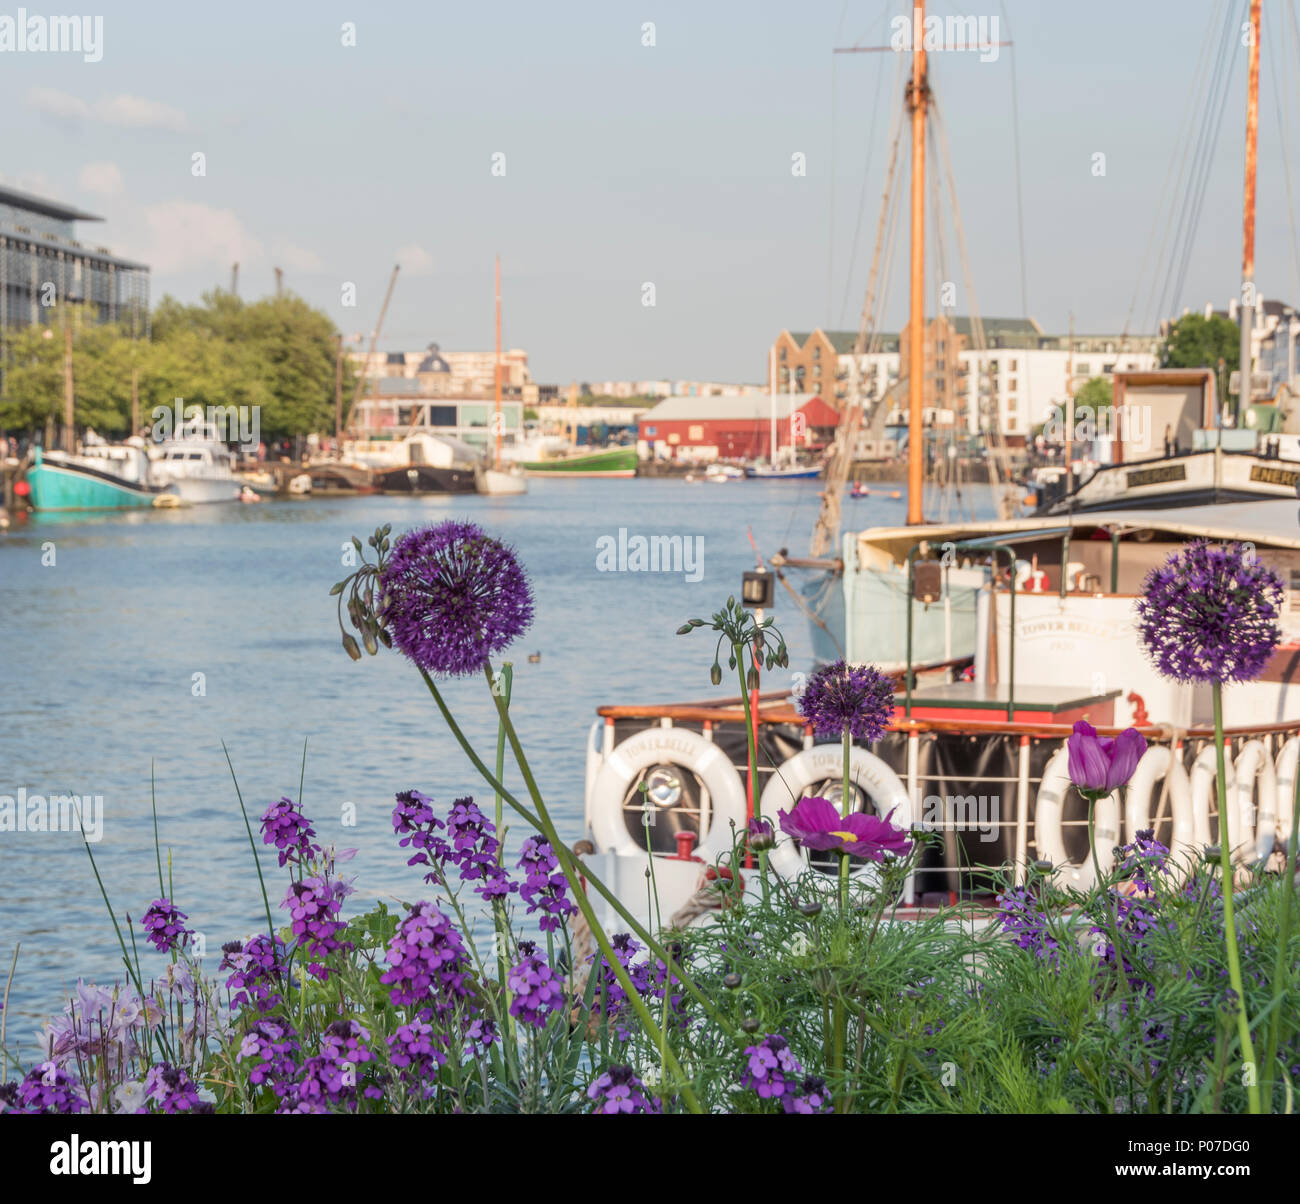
[416,1050]
[1145,858]
[451,596]
[611,999]
[858,698]
[331,1077]
[774,1073]
[480,1033]
[545,887]
[46,1088]
[285,827]
[427,962]
[271,1046]
[1211,614]
[618,1090]
[164,926]
[816,824]
[536,988]
[416,824]
[173,1090]
[314,905]
[258,971]
[1022,915]
[1100,765]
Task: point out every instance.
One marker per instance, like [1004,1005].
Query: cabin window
[196,455]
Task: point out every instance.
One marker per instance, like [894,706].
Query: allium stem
[1281,970]
[751,738]
[503,680]
[1229,917]
[845,808]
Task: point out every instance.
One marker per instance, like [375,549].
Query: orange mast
[496,375]
[917,97]
[1247,310]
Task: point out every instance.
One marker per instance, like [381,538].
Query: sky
[600,147]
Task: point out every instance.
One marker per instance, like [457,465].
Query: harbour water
[146,639]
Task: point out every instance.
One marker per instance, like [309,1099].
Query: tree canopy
[1195,341]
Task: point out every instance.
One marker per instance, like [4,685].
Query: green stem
[1281,972]
[1229,916]
[570,872]
[752,742]
[845,809]
[502,683]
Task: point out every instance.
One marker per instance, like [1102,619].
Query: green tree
[1195,341]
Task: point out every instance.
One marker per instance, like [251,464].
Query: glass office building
[42,264]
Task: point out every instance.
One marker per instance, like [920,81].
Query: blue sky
[627,164]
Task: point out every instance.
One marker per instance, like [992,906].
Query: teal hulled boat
[109,476]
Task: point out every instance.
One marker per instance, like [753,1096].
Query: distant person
[1171,444]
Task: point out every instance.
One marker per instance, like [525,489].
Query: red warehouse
[734,426]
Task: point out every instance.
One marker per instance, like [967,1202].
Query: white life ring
[1204,772]
[668,746]
[1255,828]
[1049,811]
[1286,763]
[818,763]
[1157,764]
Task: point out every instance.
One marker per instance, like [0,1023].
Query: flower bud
[731,981]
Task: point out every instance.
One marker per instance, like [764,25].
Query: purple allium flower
[1021,914]
[164,926]
[258,971]
[1100,765]
[285,826]
[816,824]
[1211,614]
[857,697]
[619,1090]
[427,961]
[536,988]
[772,1071]
[451,596]
[46,1088]
[1145,858]
[314,905]
[173,1090]
[545,887]
[272,1047]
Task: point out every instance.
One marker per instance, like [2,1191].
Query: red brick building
[734,426]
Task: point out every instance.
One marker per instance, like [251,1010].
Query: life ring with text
[677,746]
[1049,811]
[821,763]
[1144,787]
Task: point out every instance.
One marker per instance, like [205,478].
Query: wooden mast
[1247,310]
[496,463]
[918,94]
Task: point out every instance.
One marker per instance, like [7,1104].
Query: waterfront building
[435,372]
[43,264]
[735,426]
[394,411]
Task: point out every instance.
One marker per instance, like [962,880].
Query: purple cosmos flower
[314,905]
[258,969]
[1100,765]
[285,827]
[536,988]
[1020,913]
[427,962]
[545,887]
[762,835]
[164,926]
[618,1090]
[1211,614]
[451,596]
[858,698]
[272,1048]
[816,824]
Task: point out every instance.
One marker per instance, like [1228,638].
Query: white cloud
[181,236]
[123,110]
[102,178]
[415,260]
[296,258]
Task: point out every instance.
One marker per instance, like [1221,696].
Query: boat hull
[205,491]
[784,474]
[424,478]
[616,462]
[55,487]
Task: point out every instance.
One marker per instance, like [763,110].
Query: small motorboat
[860,490]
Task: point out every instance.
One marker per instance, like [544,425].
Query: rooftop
[25,200]
[724,406]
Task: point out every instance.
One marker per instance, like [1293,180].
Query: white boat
[720,474]
[197,465]
[500,482]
